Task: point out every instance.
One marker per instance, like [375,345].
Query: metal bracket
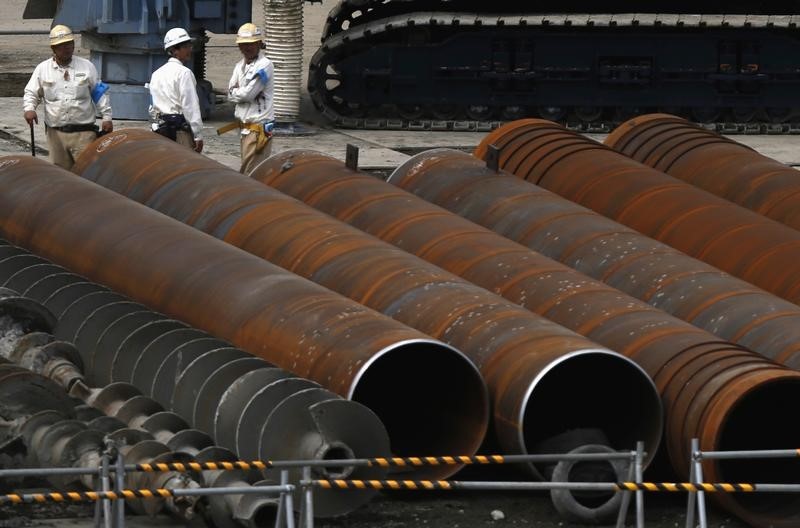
[493,158]
[351,157]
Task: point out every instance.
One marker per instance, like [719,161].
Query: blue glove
[262,74]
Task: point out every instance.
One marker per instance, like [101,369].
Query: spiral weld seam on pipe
[346,347]
[701,378]
[521,355]
[736,240]
[649,270]
[721,166]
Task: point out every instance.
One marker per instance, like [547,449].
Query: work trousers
[65,147]
[250,157]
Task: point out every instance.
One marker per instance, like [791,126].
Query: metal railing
[634,486]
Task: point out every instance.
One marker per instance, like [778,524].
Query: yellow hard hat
[61,34]
[249,33]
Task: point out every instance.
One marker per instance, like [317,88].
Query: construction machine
[469,64]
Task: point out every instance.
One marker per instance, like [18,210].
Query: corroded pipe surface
[741,242]
[625,259]
[542,376]
[702,381]
[263,309]
[717,164]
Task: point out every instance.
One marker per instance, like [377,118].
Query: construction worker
[73,94]
[251,89]
[175,107]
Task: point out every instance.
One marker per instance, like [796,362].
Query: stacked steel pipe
[261,308]
[542,376]
[244,403]
[625,259]
[731,238]
[717,164]
[703,380]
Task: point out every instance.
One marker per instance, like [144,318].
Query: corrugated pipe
[625,259]
[261,308]
[717,164]
[283,27]
[542,377]
[741,242]
[713,390]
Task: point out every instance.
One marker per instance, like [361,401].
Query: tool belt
[169,124]
[264,131]
[87,127]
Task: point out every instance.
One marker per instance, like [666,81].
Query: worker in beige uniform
[251,89]
[175,108]
[72,94]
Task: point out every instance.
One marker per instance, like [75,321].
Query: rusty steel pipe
[625,259]
[684,361]
[648,269]
[261,308]
[714,163]
[731,238]
[541,375]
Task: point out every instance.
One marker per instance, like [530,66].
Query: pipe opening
[591,398]
[336,451]
[763,419]
[264,515]
[430,397]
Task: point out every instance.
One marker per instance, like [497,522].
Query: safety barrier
[307,484]
[285,517]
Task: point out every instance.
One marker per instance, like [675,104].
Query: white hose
[283,28]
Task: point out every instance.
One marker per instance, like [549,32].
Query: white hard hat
[248,33]
[176,36]
[61,34]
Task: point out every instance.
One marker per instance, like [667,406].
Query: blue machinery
[126,39]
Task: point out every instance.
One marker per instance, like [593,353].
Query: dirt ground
[18,56]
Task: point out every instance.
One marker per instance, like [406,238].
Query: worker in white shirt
[175,107]
[251,89]
[73,94]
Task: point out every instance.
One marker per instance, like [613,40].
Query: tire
[571,507]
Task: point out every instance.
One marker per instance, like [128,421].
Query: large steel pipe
[649,270]
[542,377]
[701,379]
[279,417]
[741,242]
[717,164]
[289,321]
